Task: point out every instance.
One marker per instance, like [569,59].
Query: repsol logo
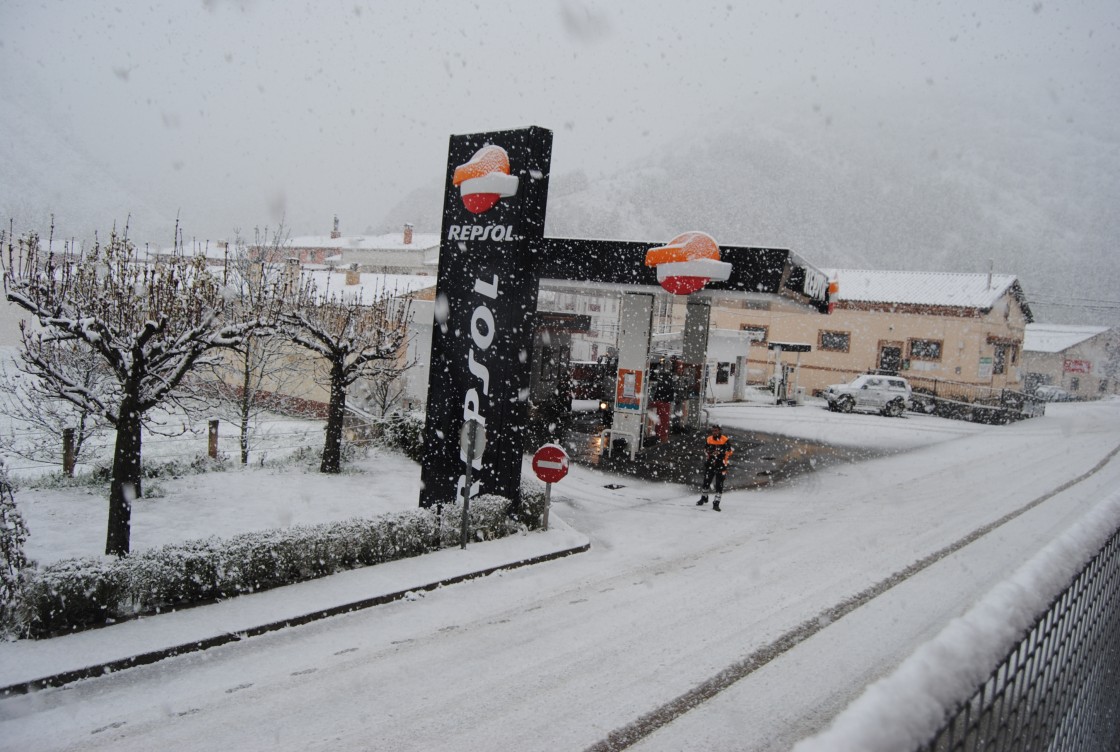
[816,284]
[480,232]
[477,400]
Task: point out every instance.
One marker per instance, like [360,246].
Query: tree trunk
[246,399]
[125,482]
[332,450]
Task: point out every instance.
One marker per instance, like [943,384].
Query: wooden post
[68,452]
[212,449]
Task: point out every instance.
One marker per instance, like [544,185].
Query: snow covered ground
[668,627]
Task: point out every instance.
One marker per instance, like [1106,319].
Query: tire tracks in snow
[632,733]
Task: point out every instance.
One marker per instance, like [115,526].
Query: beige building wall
[968,346]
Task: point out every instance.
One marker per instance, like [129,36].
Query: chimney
[353,276]
[335,233]
[408,234]
[291,276]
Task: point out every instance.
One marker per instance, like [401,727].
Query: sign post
[472,443]
[550,463]
[495,192]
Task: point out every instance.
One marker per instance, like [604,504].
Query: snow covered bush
[80,593]
[71,594]
[530,512]
[406,433]
[13,535]
[188,574]
[488,517]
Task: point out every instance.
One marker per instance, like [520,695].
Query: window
[1075,384]
[595,307]
[925,349]
[723,373]
[833,341]
[760,333]
[1004,355]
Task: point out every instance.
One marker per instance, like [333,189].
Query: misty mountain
[962,189]
[953,187]
[45,174]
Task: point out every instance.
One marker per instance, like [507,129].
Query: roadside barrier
[1057,688]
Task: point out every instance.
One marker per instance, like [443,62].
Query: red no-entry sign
[550,463]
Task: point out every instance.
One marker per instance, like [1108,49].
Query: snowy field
[669,602]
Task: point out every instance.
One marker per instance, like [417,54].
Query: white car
[889,395]
[1049,393]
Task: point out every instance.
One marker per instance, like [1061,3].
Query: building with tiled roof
[405,252]
[1083,360]
[965,328]
[950,292]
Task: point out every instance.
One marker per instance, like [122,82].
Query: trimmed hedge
[78,594]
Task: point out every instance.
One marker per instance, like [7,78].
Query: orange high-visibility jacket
[719,448]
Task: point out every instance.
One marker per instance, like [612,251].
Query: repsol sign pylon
[495,192]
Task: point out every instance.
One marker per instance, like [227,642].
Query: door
[890,356]
[871,394]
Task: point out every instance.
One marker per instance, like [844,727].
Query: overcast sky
[236,114]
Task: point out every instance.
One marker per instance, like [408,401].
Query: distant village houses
[1082,360]
[404,252]
[973,331]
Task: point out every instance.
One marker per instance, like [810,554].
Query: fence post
[212,448]
[68,452]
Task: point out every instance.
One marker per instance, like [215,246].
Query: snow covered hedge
[13,561]
[79,593]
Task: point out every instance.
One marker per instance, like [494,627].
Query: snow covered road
[671,602]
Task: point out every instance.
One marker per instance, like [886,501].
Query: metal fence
[976,402]
[1059,689]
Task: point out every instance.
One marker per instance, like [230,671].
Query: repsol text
[498,233]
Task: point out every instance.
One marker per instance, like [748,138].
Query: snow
[947,669]
[393,241]
[371,286]
[669,602]
[921,288]
[72,523]
[1054,338]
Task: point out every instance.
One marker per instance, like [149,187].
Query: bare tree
[258,374]
[151,324]
[44,417]
[383,391]
[356,338]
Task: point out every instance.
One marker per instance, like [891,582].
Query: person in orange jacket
[717,456]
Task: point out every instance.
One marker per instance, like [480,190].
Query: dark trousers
[714,472]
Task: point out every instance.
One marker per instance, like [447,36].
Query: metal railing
[975,402]
[1059,688]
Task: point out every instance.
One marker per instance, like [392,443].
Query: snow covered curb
[905,709]
[26,665]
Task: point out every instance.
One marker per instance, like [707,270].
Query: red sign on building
[1077,366]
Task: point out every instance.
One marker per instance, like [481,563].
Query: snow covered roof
[1054,338]
[370,286]
[393,241]
[214,250]
[958,289]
